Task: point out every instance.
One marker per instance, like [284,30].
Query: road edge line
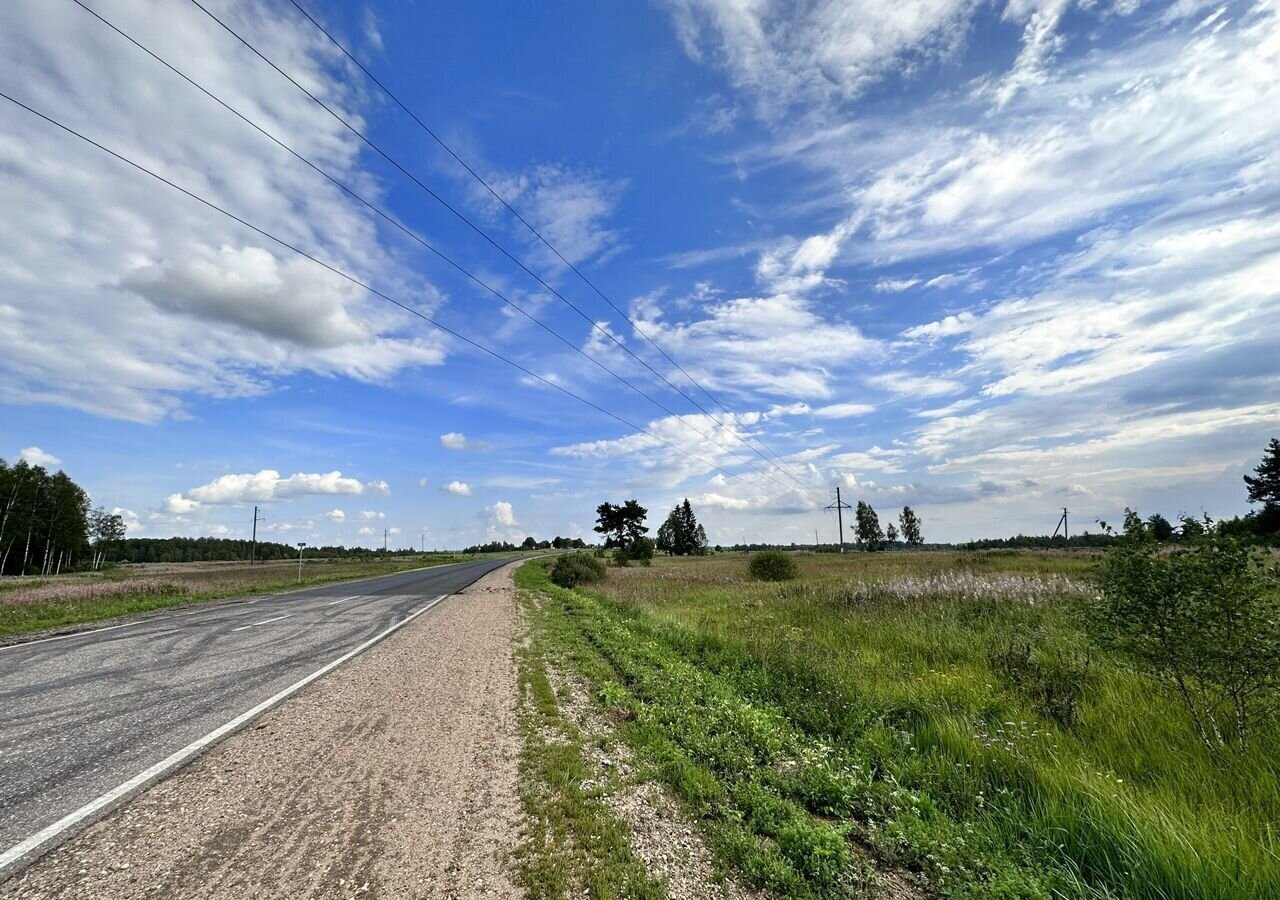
[24,853]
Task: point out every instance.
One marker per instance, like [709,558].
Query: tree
[621,525]
[1161,528]
[891,534]
[1189,528]
[867,526]
[105,530]
[910,523]
[680,534]
[1264,488]
[43,520]
[529,543]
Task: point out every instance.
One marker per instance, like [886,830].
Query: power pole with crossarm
[839,506]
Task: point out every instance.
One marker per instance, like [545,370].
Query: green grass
[860,701]
[574,845]
[37,604]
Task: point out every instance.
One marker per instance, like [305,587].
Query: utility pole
[253,544]
[1062,524]
[839,506]
[424,542]
[301,544]
[384,540]
[816,545]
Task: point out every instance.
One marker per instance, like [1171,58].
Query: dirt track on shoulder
[394,776]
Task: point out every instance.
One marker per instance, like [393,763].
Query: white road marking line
[263,622]
[344,600]
[119,794]
[63,637]
[214,606]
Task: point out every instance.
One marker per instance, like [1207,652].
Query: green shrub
[773,565]
[640,550]
[574,569]
[1203,620]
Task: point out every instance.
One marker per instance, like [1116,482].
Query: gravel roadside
[394,776]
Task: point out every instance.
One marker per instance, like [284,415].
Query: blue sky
[986,259]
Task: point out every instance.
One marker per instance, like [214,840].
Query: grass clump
[574,569]
[773,565]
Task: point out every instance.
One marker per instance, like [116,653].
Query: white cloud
[269,485]
[820,53]
[457,488]
[843,410]
[502,513]
[569,208]
[776,344]
[895,285]
[37,457]
[179,505]
[457,441]
[336,515]
[913,385]
[189,303]
[423,482]
[368,514]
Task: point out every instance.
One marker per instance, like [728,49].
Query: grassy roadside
[574,845]
[28,605]
[862,710]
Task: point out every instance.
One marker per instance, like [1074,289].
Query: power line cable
[523,221]
[357,282]
[414,236]
[478,230]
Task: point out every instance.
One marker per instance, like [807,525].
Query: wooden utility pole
[839,506]
[253,544]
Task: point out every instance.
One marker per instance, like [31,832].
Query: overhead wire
[523,221]
[358,282]
[461,216]
[414,235]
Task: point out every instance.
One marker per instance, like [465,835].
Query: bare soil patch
[394,776]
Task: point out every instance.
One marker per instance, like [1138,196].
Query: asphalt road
[82,714]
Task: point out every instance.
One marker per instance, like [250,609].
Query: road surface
[83,714]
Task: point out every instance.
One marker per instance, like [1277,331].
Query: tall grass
[885,660]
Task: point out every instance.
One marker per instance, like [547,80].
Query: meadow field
[37,603]
[936,714]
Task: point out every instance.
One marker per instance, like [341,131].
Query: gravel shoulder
[394,776]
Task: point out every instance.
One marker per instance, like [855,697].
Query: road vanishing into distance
[88,719]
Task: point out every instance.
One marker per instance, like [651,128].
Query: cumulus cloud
[368,514]
[455,440]
[269,485]
[292,300]
[502,513]
[336,515]
[37,457]
[188,308]
[457,488]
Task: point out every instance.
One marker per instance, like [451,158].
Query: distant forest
[208,549]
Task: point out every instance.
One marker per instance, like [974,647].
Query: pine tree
[1264,488]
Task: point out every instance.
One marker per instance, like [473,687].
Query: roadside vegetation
[968,717]
[36,604]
